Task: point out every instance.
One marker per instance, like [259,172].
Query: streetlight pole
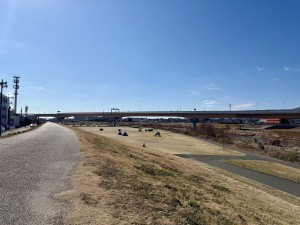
[284,105]
[3,85]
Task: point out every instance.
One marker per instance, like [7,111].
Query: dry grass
[293,133]
[169,142]
[272,168]
[118,184]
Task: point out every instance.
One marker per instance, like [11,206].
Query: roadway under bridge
[194,115]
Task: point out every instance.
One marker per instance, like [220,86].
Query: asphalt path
[282,184]
[34,168]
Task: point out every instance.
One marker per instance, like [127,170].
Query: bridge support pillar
[60,119]
[194,123]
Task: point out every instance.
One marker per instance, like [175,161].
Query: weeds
[221,188]
[196,179]
[153,171]
[291,155]
[88,199]
[170,187]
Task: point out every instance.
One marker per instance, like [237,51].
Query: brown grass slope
[117,184]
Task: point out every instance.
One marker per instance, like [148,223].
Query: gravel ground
[34,167]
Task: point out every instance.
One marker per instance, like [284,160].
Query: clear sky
[93,55]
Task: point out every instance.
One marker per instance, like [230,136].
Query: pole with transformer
[3,85]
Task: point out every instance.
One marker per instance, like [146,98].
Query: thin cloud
[293,69]
[275,79]
[36,87]
[226,97]
[247,105]
[259,68]
[211,87]
[194,93]
[209,103]
[8,19]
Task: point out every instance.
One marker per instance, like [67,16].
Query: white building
[4,109]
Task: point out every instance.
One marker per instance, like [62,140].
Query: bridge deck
[282,113]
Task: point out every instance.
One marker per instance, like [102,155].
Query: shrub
[275,142]
[260,146]
[292,156]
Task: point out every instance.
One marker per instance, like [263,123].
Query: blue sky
[93,55]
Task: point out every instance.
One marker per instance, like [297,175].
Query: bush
[207,129]
[276,154]
[275,142]
[260,146]
[292,156]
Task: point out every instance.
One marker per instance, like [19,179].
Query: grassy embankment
[281,144]
[271,168]
[169,142]
[118,184]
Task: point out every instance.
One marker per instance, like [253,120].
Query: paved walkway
[282,184]
[34,167]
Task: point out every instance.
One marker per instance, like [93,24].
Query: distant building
[273,121]
[297,121]
[4,109]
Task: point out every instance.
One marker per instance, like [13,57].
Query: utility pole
[3,85]
[16,87]
[26,110]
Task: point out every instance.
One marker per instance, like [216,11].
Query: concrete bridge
[194,115]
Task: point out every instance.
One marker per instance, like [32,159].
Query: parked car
[2,129]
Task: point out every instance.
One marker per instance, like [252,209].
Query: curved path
[282,184]
[34,167]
